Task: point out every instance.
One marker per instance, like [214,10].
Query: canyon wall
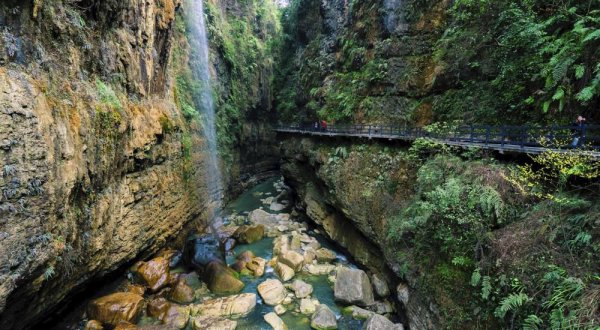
[101,162]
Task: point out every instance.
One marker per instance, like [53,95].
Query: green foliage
[49,273]
[107,95]
[555,170]
[454,209]
[166,124]
[511,303]
[556,68]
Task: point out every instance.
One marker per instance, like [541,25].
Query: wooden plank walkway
[524,143]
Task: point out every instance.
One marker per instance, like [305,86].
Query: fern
[511,303]
[476,277]
[532,322]
[486,287]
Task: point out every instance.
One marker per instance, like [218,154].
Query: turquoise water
[322,288]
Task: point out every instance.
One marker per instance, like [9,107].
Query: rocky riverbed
[265,269]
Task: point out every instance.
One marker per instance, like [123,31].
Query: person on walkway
[316,126]
[323,125]
[578,131]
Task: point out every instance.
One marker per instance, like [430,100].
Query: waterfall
[201,69]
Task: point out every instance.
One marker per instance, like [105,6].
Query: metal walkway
[519,139]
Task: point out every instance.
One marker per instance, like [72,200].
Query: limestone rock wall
[344,197]
[95,169]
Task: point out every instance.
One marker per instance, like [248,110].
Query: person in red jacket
[324,125]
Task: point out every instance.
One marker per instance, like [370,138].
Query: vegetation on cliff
[488,242]
[242,42]
[420,62]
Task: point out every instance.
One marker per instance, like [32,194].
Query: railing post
[472,133]
[487,135]
[503,136]
[523,135]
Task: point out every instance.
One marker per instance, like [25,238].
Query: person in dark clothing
[578,131]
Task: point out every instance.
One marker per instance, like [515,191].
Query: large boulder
[275,321]
[272,292]
[182,293]
[284,272]
[323,318]
[293,259]
[200,250]
[155,273]
[325,255]
[230,307]
[257,266]
[177,316]
[301,289]
[262,217]
[378,322]
[213,323]
[158,308]
[319,269]
[114,308]
[93,325]
[281,245]
[222,279]
[352,287]
[379,284]
[249,234]
[358,313]
[307,306]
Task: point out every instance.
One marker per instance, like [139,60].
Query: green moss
[107,95]
[166,124]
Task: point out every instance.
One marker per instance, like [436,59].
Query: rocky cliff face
[100,162]
[361,61]
[353,194]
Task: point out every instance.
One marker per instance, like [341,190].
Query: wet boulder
[272,292]
[173,315]
[301,289]
[127,326]
[114,308]
[293,259]
[325,255]
[200,250]
[249,234]
[275,321]
[284,272]
[182,293]
[378,322]
[379,284]
[246,256]
[307,306]
[136,288]
[257,266]
[323,318]
[221,279]
[155,273]
[353,287]
[177,316]
[230,307]
[93,325]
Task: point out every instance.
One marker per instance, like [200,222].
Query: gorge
[131,130]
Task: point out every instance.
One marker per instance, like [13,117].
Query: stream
[263,196]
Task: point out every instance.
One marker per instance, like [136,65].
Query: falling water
[200,65]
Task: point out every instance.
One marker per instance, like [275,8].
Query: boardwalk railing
[529,139]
